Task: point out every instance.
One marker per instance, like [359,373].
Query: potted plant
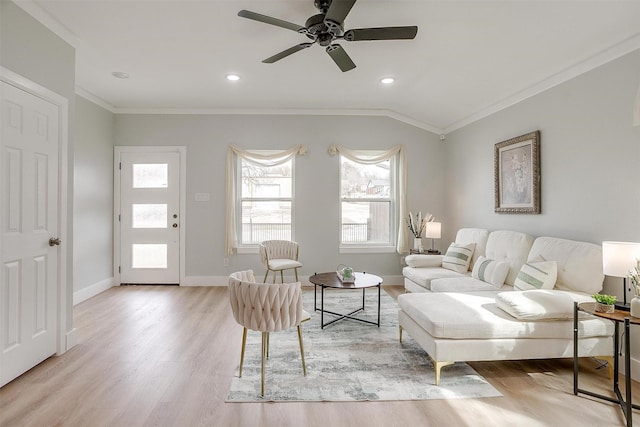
[605,303]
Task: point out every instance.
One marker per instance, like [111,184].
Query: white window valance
[369,157]
[273,158]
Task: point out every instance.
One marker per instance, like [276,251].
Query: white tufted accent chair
[266,308]
[279,255]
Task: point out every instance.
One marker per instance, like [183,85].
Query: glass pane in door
[150,175]
[148,255]
[149,215]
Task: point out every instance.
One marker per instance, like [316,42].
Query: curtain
[367,158]
[272,159]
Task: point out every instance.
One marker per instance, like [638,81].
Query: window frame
[252,248]
[372,247]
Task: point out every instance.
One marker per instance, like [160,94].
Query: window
[265,202]
[367,208]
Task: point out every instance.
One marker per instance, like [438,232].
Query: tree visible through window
[265,202]
[367,199]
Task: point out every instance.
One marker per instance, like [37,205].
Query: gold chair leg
[439,365]
[268,337]
[296,272]
[304,366]
[265,339]
[266,274]
[274,276]
[244,341]
[281,276]
[400,328]
[609,360]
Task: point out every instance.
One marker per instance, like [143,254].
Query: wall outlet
[226,262]
[202,197]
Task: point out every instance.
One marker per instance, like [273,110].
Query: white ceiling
[469,59]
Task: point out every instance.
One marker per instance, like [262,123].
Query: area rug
[349,360]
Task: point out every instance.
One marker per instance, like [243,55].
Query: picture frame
[517,174]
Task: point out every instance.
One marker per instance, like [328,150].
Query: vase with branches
[417,224]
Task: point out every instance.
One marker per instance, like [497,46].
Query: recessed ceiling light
[387,80]
[233,77]
[120,75]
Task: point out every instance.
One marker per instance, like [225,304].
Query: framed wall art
[517,174]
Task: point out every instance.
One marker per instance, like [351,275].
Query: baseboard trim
[71,339]
[93,290]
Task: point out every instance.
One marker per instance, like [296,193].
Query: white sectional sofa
[457,317]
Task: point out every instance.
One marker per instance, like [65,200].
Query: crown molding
[95,99]
[49,21]
[616,51]
[284,112]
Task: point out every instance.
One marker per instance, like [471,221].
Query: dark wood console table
[618,317]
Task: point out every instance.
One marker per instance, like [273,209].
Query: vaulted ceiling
[469,58]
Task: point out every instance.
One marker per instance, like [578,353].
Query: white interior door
[149,217]
[29,210]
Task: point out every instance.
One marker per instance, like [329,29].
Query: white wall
[590,163]
[32,51]
[93,200]
[590,160]
[207,138]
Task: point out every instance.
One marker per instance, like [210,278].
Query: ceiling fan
[327,27]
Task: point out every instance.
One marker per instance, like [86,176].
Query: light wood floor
[153,355]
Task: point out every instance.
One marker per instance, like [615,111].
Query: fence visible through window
[355,233]
[259,232]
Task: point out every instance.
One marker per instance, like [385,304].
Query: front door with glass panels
[149,217]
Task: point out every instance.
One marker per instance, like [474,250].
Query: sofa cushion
[476,316]
[458,257]
[579,263]
[490,271]
[478,236]
[536,304]
[537,275]
[424,276]
[464,284]
[418,260]
[510,246]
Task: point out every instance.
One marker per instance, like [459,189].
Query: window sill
[367,249]
[242,250]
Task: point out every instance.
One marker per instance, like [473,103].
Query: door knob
[54,241]
[175,225]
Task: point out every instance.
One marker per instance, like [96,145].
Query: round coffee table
[331,280]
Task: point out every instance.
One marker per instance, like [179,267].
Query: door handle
[175,225]
[54,241]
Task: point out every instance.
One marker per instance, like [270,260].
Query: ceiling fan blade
[384,33]
[269,20]
[338,10]
[287,52]
[340,57]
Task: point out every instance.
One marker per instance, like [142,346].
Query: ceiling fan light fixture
[387,80]
[120,75]
[233,77]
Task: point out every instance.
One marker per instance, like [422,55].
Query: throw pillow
[458,257]
[537,275]
[536,304]
[490,271]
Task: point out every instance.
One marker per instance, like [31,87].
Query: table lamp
[433,232]
[618,258]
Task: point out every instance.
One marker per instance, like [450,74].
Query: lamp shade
[433,230]
[619,257]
